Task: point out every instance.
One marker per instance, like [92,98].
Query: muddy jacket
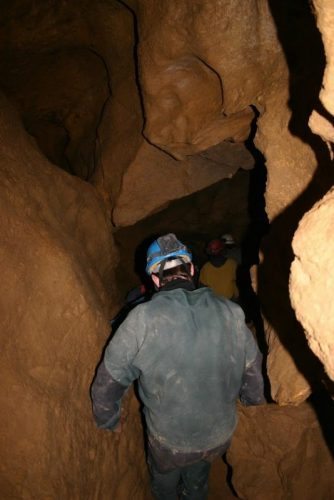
[193,357]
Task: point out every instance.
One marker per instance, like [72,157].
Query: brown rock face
[243,67]
[311,282]
[53,72]
[325,17]
[154,179]
[190,57]
[57,260]
[299,173]
[274,452]
[151,104]
[60,96]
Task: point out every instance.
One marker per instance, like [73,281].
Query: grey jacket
[193,357]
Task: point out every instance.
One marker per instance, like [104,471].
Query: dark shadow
[250,247]
[303,49]
[135,57]
[140,261]
[323,406]
[229,476]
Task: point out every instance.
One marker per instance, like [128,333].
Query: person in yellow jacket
[219,273]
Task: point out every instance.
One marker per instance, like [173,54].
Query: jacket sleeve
[251,392]
[106,394]
[115,374]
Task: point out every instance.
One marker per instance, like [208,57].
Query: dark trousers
[186,483]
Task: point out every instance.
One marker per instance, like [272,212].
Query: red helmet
[215,247]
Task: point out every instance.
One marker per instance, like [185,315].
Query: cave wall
[311,281]
[299,173]
[274,452]
[185,48]
[312,272]
[69,68]
[75,81]
[197,218]
[57,295]
[52,71]
[198,75]
[190,57]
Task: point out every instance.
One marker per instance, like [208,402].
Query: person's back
[193,357]
[190,365]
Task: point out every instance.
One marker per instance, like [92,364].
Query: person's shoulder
[237,314]
[229,306]
[231,261]
[140,309]
[206,265]
[211,296]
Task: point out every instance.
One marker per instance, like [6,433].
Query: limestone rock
[281,368]
[70,70]
[154,179]
[273,453]
[62,117]
[195,93]
[322,126]
[299,173]
[312,279]
[325,19]
[288,363]
[202,69]
[59,87]
[198,67]
[57,263]
[321,120]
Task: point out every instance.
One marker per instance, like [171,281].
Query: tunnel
[121,120]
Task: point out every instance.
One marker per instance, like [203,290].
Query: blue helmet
[166,248]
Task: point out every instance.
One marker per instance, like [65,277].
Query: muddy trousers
[184,483]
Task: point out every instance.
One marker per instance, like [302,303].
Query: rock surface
[193,63]
[298,165]
[312,279]
[184,49]
[154,179]
[311,284]
[325,18]
[273,453]
[201,72]
[57,294]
